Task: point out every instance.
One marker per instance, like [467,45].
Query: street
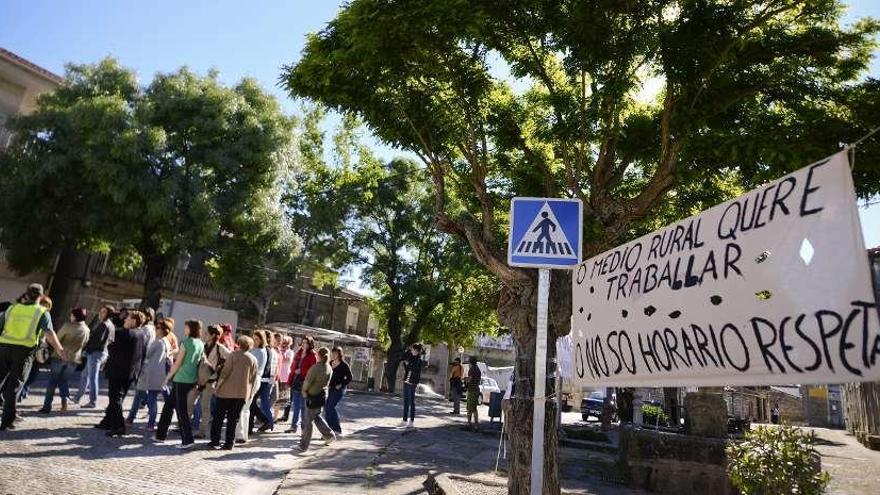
[63,454]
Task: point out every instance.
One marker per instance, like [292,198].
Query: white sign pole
[540,384]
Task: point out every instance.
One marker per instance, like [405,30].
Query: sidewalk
[387,460]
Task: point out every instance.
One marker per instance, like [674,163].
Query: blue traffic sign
[545,232]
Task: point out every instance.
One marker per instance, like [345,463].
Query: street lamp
[182,265]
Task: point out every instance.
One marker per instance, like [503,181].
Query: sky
[239,39]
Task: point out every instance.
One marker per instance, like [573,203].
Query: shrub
[775,461]
[652,414]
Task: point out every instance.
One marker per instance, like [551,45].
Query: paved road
[63,453]
[854,469]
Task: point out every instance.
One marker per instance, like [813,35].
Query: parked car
[592,404]
[487,386]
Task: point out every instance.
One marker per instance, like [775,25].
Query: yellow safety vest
[20,327]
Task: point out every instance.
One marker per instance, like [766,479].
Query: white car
[423,390]
[487,386]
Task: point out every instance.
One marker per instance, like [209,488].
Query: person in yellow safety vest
[20,329]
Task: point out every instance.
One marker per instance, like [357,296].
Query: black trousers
[229,410]
[14,359]
[176,403]
[117,388]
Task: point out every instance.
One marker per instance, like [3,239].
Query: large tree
[529,97]
[420,277]
[151,172]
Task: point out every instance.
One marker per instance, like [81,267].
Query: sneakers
[403,423]
[150,428]
[240,441]
[329,440]
[410,424]
[10,426]
[90,405]
[185,446]
[226,446]
[44,411]
[299,448]
[157,440]
[213,445]
[291,430]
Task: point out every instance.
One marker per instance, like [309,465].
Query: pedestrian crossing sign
[545,232]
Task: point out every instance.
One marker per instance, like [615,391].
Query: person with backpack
[215,356]
[314,390]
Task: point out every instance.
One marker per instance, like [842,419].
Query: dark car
[592,404]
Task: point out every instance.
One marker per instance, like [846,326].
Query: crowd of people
[207,379]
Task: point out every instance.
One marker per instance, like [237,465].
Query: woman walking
[123,365]
[411,375]
[235,384]
[285,362]
[73,335]
[95,353]
[303,360]
[183,376]
[151,381]
[215,356]
[246,422]
[261,407]
[315,391]
[475,376]
[339,380]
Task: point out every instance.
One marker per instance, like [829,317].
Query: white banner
[770,288]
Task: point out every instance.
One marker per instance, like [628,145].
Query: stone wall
[676,464]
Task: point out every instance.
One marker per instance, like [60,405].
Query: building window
[351,318]
[372,326]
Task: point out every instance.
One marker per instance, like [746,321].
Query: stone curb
[440,484]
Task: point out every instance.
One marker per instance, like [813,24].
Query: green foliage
[183,164]
[652,414]
[776,460]
[521,97]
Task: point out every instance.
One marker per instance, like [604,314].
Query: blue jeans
[298,409]
[332,416]
[409,401]
[266,403]
[148,397]
[89,378]
[59,371]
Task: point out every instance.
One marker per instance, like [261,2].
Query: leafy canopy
[745,91]
[178,165]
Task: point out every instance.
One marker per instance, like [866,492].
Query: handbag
[43,353]
[316,401]
[297,384]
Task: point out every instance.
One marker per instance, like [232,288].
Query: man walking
[20,329]
[455,385]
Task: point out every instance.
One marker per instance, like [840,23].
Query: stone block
[706,414]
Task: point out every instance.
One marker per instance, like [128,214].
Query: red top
[307,362]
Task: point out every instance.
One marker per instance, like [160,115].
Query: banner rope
[851,147]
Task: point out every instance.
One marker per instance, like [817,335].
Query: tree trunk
[625,404]
[261,304]
[517,309]
[155,266]
[62,286]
